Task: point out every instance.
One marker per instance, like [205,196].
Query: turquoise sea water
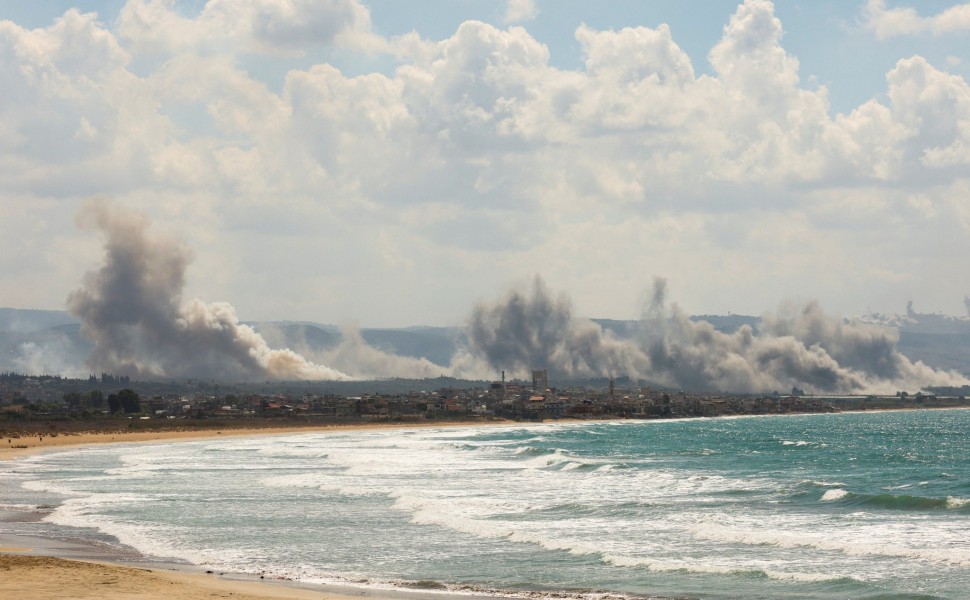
[870,505]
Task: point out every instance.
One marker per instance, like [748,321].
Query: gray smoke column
[796,346]
[132,310]
[966,303]
[367,362]
[531,329]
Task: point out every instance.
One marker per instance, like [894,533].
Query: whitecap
[954,502]
[835,494]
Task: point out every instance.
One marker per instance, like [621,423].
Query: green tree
[130,401]
[95,399]
[72,399]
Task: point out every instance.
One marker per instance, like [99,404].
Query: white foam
[648,515]
[294,452]
[954,502]
[302,480]
[40,485]
[679,565]
[802,577]
[547,460]
[20,507]
[833,495]
[823,483]
[852,541]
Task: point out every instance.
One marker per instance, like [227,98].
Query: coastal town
[52,399]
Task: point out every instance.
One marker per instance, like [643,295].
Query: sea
[863,505]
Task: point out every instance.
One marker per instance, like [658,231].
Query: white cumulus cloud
[262,26]
[474,159]
[891,22]
[517,11]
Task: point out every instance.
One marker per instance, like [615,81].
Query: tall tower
[540,380]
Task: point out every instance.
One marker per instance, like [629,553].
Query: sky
[393,163]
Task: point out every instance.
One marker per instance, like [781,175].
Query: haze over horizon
[135,321]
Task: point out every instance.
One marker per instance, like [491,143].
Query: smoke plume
[796,346]
[354,354]
[531,329]
[966,303]
[48,356]
[132,310]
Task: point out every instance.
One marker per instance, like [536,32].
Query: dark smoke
[132,310]
[531,329]
[800,347]
[795,346]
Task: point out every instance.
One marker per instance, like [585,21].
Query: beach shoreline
[34,568]
[18,444]
[28,579]
[32,577]
[13,447]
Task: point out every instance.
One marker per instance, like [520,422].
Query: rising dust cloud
[133,311]
[795,346]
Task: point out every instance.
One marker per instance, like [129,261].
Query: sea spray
[870,504]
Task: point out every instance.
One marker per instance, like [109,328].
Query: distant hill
[914,322]
[728,323]
[56,350]
[949,351]
[298,336]
[24,320]
[47,341]
[437,344]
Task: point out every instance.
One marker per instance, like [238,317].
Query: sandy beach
[26,577]
[14,447]
[27,573]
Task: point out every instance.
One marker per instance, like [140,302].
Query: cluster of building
[24,396]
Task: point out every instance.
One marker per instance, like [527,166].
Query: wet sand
[27,577]
[12,448]
[35,568]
